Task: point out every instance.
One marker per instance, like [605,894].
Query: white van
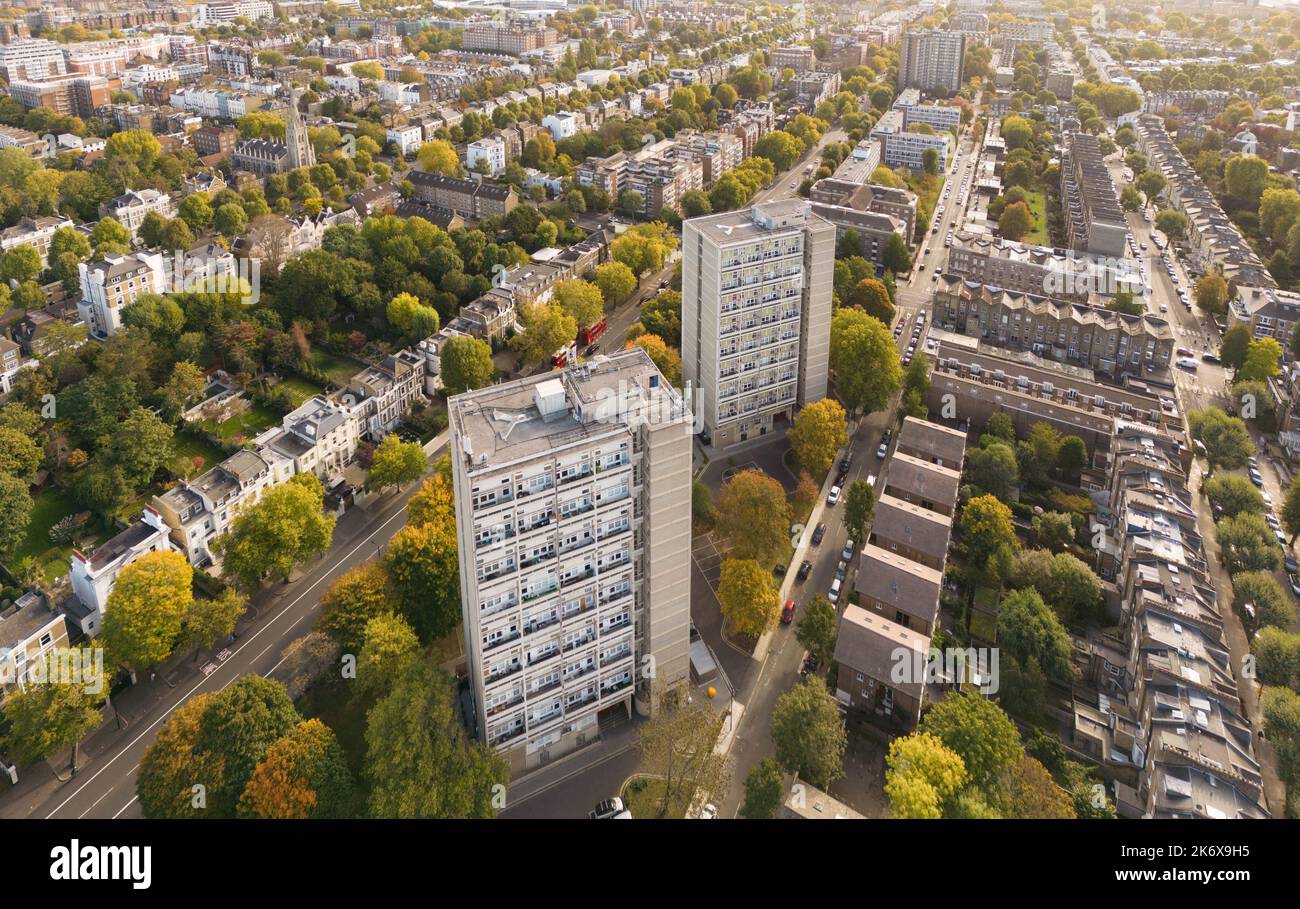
[834,595]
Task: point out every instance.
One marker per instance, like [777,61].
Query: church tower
[301,154]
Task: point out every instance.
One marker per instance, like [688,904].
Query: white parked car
[833,497]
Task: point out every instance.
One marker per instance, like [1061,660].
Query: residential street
[105,783]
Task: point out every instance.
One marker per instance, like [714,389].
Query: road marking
[92,807]
[364,543]
[134,798]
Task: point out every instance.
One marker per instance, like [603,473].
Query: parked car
[1209,358]
[847,552]
[1295,583]
[834,594]
[882,451]
[609,808]
[833,497]
[818,532]
[1290,562]
[846,462]
[787,613]
[805,568]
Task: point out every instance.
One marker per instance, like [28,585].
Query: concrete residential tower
[756,315]
[573,515]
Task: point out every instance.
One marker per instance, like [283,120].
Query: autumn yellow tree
[752,513]
[818,433]
[439,157]
[353,600]
[747,596]
[144,612]
[304,775]
[921,774]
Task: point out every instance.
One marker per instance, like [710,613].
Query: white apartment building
[489,149]
[562,124]
[573,519]
[31,59]
[93,575]
[109,285]
[931,60]
[901,147]
[406,139]
[130,208]
[756,316]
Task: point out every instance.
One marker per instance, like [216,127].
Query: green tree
[1233,495]
[859,508]
[865,361]
[1262,359]
[1015,221]
[1226,440]
[282,529]
[1273,606]
[764,790]
[809,734]
[351,601]
[1246,543]
[1172,224]
[979,732]
[897,258]
[616,282]
[424,572]
[390,643]
[465,364]
[818,628]
[545,330]
[1245,176]
[418,760]
[396,463]
[989,536]
[1028,628]
[45,718]
[993,469]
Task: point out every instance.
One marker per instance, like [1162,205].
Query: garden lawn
[191,446]
[1038,206]
[339,369]
[49,507]
[300,388]
[257,418]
